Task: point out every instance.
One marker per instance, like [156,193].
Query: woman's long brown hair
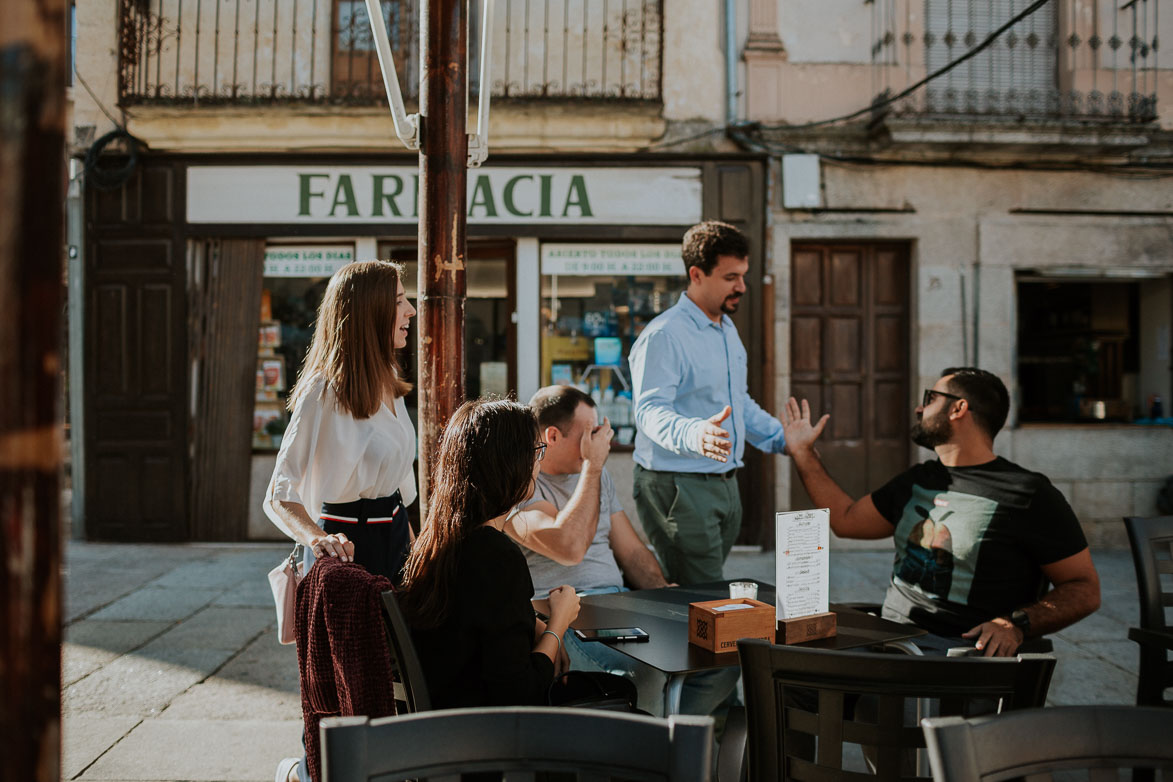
[484,469]
[353,345]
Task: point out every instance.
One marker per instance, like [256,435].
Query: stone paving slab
[136,684]
[252,592]
[264,662]
[102,588]
[1082,678]
[216,627]
[213,574]
[224,750]
[224,699]
[88,737]
[259,683]
[158,603]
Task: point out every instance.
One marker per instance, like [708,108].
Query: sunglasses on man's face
[927,399]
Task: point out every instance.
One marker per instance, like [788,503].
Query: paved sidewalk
[171,668]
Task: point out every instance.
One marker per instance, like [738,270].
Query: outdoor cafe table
[663,613]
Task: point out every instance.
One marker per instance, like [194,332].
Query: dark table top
[663,613]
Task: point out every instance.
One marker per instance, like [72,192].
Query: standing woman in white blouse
[344,473]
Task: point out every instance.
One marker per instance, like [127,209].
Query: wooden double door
[849,354]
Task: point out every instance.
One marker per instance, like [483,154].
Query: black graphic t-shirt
[970,542]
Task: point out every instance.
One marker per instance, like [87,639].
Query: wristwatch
[1021,620]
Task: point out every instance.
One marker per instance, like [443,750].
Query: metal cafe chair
[804,705]
[1152,554]
[518,742]
[411,690]
[1033,743]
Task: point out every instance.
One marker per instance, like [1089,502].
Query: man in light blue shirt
[694,414]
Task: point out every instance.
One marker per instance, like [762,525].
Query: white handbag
[284,580]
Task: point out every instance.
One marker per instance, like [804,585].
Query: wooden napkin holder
[807,628]
[718,631]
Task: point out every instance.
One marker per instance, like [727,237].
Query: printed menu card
[803,562]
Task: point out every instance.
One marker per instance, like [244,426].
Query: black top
[482,655]
[970,542]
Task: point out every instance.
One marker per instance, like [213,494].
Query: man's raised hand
[714,440]
[596,444]
[796,424]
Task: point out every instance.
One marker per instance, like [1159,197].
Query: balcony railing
[1069,60]
[217,52]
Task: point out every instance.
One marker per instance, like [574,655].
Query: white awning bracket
[407,126]
[478,143]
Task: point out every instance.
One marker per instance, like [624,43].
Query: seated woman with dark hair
[467,588]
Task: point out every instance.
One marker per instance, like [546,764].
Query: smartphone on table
[613,634]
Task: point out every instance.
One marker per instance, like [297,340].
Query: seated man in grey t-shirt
[573,530]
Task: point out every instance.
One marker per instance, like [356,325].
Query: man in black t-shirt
[977,537]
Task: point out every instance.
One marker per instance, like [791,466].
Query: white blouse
[327,455]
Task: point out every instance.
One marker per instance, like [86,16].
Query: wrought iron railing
[217,52]
[1068,60]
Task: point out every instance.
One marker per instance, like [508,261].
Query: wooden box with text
[717,625]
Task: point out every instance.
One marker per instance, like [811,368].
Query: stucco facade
[983,203]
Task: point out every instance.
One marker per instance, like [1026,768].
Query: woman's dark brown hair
[484,468]
[353,346]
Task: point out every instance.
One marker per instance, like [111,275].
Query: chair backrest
[589,744]
[411,689]
[1152,553]
[804,705]
[1035,742]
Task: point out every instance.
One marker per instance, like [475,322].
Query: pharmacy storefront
[566,264]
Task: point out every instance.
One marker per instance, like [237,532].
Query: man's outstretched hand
[796,425]
[714,440]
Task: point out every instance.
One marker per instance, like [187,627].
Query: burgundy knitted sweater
[343,657]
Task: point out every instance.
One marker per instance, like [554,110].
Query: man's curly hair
[705,242]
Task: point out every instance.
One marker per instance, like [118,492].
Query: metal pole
[443,205]
[32,188]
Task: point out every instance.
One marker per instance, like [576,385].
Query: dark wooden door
[849,355]
[135,379]
[735,192]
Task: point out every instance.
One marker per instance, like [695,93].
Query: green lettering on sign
[344,196]
[482,195]
[510,206]
[379,196]
[305,182]
[544,202]
[577,196]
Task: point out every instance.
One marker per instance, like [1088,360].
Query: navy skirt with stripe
[379,530]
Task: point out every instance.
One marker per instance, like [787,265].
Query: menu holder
[803,575]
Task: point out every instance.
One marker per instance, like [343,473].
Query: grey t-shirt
[598,568]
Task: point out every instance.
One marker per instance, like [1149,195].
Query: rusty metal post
[443,204]
[32,189]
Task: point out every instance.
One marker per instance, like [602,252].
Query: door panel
[135,373]
[849,349]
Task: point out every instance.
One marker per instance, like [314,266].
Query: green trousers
[691,520]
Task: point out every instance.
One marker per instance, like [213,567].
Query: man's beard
[929,433]
[729,306]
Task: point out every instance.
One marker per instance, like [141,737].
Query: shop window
[594,306]
[1093,350]
[295,280]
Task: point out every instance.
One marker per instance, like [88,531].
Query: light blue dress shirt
[685,368]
